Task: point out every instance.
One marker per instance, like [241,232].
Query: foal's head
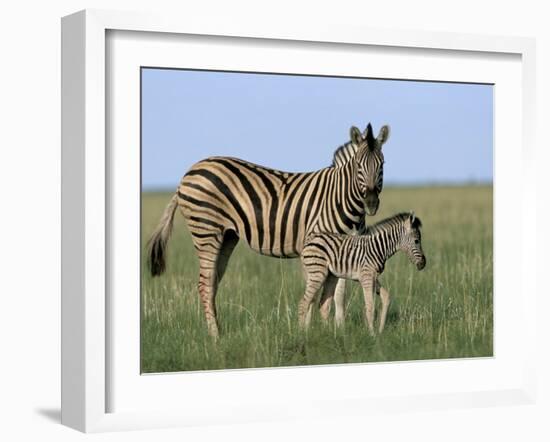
[411,243]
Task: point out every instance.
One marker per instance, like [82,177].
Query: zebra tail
[156,246]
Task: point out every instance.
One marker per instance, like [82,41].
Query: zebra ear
[383,135]
[415,222]
[355,136]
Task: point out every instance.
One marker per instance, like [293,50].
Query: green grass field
[444,311]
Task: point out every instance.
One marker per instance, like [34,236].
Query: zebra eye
[416,241]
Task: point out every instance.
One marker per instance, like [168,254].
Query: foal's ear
[355,136]
[383,136]
[415,222]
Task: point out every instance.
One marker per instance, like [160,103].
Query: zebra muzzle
[371,203]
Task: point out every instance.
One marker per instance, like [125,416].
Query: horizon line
[476,183]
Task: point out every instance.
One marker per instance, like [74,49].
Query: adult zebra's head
[411,243]
[370,164]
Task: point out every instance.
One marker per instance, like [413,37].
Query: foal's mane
[392,220]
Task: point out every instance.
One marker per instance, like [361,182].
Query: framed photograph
[354,188]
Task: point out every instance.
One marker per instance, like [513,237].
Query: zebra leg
[209,247]
[307,319]
[327,297]
[207,293]
[385,298]
[368,281]
[212,279]
[313,284]
[339,299]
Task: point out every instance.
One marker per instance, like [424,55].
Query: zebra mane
[343,154]
[392,220]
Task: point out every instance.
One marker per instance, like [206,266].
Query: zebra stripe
[226,199]
[361,258]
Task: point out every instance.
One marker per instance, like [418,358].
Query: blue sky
[440,132]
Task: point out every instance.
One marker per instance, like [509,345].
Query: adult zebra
[226,199]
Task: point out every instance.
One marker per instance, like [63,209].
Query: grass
[444,311]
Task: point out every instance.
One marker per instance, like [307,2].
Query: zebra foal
[329,256]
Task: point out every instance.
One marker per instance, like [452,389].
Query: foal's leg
[327,297]
[313,284]
[339,299]
[368,281]
[386,300]
[307,318]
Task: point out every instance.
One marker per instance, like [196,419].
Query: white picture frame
[86,353]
